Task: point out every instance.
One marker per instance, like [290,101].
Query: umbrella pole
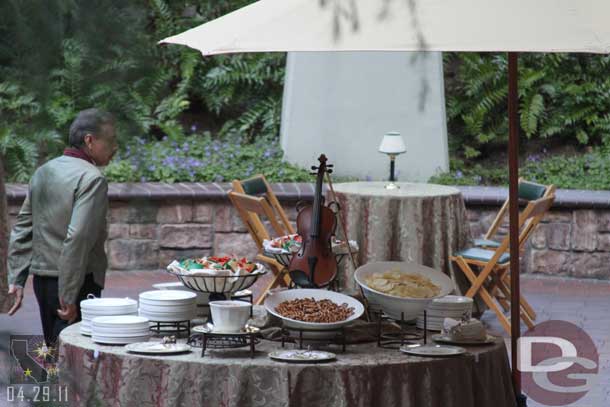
[513,196]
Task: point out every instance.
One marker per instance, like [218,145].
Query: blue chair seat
[486,243]
[476,253]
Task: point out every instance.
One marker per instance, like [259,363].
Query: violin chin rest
[301,280]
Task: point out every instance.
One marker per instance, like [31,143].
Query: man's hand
[67,311]
[18,293]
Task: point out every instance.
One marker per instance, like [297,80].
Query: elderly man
[61,228]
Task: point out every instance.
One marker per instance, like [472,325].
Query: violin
[315,265]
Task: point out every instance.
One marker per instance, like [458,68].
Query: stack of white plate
[101,307]
[450,306]
[202,298]
[120,329]
[168,305]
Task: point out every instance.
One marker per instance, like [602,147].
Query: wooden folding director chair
[528,191]
[253,198]
[491,283]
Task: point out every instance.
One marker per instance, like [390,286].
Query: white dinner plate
[103,303]
[464,342]
[157,348]
[452,300]
[110,310]
[168,308]
[168,318]
[177,296]
[119,334]
[302,356]
[125,328]
[118,341]
[432,350]
[120,320]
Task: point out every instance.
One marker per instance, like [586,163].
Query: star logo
[27,373]
[42,351]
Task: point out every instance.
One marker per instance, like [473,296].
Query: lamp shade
[392,143]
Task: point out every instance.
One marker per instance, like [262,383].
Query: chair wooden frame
[497,222]
[492,280]
[251,203]
[259,186]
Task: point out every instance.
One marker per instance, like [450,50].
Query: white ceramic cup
[230,316]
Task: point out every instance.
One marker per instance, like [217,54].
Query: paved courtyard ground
[585,303]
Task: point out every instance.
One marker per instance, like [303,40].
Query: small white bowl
[230,316]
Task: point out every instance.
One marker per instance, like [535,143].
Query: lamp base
[391,185]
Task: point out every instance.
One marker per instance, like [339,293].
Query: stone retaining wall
[573,243]
[152,224]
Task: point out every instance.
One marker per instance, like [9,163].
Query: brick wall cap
[292,191]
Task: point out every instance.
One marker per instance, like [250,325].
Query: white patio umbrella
[419,25]
[406,25]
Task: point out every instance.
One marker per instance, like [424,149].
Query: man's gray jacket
[61,228]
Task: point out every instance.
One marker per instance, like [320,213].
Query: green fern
[560,95]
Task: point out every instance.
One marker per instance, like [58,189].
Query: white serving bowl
[230,316]
[275,298]
[393,305]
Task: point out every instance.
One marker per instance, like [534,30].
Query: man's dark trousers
[46,290]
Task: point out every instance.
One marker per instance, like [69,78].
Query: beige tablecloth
[423,223]
[364,375]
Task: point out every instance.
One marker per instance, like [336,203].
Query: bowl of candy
[217,274]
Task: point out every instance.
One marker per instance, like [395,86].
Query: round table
[423,223]
[364,375]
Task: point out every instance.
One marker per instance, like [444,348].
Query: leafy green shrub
[564,96]
[21,142]
[586,171]
[202,158]
[104,53]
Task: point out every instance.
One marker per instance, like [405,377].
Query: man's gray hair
[88,121]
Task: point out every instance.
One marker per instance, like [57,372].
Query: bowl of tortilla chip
[401,289]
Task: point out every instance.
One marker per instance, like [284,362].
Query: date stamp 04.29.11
[34,374]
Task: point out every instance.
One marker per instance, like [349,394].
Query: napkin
[471,329]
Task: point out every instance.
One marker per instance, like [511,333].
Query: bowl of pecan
[313,309]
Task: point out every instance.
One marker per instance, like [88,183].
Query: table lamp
[392,145]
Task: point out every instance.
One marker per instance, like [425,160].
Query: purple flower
[193,128]
[459,174]
[534,158]
[164,138]
[267,154]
